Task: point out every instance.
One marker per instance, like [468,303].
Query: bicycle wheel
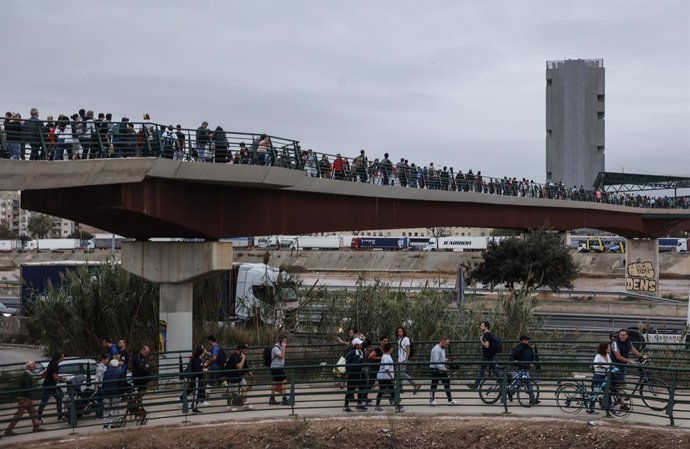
[489,392]
[620,408]
[569,398]
[523,393]
[655,393]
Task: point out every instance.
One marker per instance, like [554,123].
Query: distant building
[17,219]
[574,121]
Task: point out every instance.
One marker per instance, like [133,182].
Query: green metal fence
[654,394]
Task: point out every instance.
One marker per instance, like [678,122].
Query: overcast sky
[457,83]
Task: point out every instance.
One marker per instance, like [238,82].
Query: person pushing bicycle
[621,348]
[523,356]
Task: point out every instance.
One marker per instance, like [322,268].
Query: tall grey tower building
[574,121]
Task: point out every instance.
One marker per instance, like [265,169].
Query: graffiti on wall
[641,277]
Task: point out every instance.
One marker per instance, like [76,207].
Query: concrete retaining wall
[600,265]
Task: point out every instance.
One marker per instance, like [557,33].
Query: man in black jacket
[140,370]
[354,372]
[35,135]
[523,356]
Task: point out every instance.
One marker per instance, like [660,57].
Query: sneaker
[432,403]
[378,409]
[534,402]
[452,402]
[592,412]
[391,401]
[416,389]
[196,411]
[361,407]
[205,404]
[273,401]
[399,409]
[285,402]
[10,433]
[347,410]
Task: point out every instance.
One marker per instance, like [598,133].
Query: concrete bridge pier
[642,266]
[175,266]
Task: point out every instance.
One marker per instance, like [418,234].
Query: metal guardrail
[484,291]
[85,139]
[655,396]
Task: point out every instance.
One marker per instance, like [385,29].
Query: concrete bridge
[148,197]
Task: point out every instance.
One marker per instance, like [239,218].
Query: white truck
[53,244]
[8,245]
[326,243]
[455,243]
[239,242]
[256,289]
[105,241]
[682,245]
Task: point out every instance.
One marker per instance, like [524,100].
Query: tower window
[600,97]
[600,115]
[548,82]
[600,147]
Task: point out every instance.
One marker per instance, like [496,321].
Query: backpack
[222,358]
[410,349]
[496,344]
[268,357]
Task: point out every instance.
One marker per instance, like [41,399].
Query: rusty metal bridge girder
[159,207]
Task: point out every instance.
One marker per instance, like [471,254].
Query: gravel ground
[386,432]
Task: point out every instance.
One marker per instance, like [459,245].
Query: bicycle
[653,391]
[519,386]
[572,397]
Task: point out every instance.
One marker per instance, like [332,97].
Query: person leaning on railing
[26,396]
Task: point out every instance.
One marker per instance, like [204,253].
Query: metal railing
[656,395]
[98,139]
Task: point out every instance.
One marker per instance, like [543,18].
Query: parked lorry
[249,289]
[9,245]
[239,242]
[105,241]
[667,244]
[53,244]
[378,243]
[37,276]
[326,243]
[682,245]
[455,243]
[259,290]
[591,246]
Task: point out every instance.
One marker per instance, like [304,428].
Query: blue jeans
[56,392]
[60,148]
[488,363]
[15,150]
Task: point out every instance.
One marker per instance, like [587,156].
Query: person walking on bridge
[25,400]
[404,354]
[490,347]
[439,371]
[277,364]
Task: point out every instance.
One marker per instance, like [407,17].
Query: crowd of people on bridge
[364,368]
[86,135]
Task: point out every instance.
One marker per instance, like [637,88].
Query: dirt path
[388,432]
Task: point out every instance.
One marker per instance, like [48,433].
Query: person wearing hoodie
[523,356]
[354,371]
